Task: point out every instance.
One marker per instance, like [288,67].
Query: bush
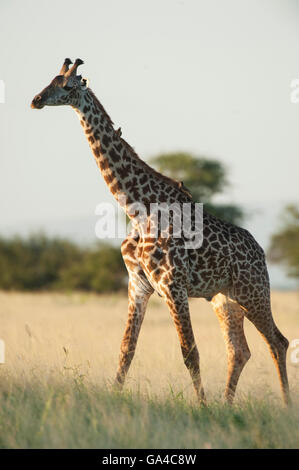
[40,263]
[284,244]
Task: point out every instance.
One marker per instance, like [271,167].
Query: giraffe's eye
[67,87]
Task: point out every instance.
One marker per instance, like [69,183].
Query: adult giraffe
[228,269]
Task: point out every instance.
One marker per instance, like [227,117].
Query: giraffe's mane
[179,186]
[99,104]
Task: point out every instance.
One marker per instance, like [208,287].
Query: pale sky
[210,77]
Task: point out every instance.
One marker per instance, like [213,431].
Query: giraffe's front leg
[139,294]
[177,301]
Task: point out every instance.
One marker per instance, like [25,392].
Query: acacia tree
[284,244]
[203,177]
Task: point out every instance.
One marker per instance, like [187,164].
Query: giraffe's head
[65,88]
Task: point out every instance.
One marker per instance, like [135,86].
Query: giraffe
[228,269]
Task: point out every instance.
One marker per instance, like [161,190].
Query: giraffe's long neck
[126,175]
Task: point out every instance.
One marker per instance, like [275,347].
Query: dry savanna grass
[61,357]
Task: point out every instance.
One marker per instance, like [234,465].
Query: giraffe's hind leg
[231,317]
[258,310]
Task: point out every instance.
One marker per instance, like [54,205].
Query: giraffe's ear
[84,83]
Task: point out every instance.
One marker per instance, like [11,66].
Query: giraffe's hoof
[118,385]
[202,402]
[229,399]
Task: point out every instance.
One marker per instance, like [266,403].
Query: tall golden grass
[51,332]
[52,338]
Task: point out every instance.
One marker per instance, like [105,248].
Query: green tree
[284,244]
[203,177]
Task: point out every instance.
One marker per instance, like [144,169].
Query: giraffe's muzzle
[37,102]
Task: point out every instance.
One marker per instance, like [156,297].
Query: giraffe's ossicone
[228,268]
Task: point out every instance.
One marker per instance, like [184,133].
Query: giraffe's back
[226,253]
